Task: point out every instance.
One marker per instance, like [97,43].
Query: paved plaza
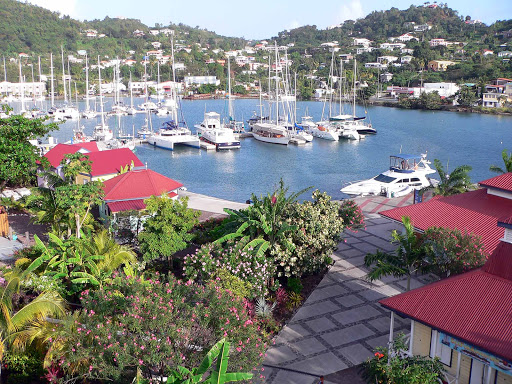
[341,322]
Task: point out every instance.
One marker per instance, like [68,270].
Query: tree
[404,261]
[18,157]
[456,182]
[15,321]
[77,199]
[167,229]
[507,160]
[466,97]
[430,100]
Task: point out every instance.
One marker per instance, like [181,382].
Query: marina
[454,138]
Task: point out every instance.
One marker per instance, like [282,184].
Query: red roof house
[129,190]
[475,211]
[471,311]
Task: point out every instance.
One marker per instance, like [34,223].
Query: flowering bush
[319,232]
[152,327]
[452,251]
[402,370]
[209,259]
[352,215]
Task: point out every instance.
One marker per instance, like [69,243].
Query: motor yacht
[213,132]
[406,173]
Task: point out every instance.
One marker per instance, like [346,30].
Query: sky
[257,19]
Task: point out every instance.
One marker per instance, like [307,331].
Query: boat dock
[207,146]
[296,141]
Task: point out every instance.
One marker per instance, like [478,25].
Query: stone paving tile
[315,310]
[279,355]
[415,283]
[352,240]
[342,247]
[358,285]
[286,377]
[347,335]
[355,353]
[291,332]
[366,247]
[381,323]
[346,275]
[325,293]
[356,315]
[360,233]
[320,365]
[320,325]
[309,346]
[380,341]
[349,253]
[349,301]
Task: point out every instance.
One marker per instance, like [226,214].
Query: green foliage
[23,366]
[458,181]
[429,100]
[453,251]
[352,215]
[18,157]
[230,282]
[211,259]
[466,97]
[151,325]
[507,161]
[294,300]
[405,261]
[167,230]
[294,285]
[400,368]
[218,353]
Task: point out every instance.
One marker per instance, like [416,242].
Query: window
[415,179]
[479,372]
[438,349]
[384,179]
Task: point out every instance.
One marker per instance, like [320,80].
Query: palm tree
[407,259]
[507,160]
[14,322]
[457,181]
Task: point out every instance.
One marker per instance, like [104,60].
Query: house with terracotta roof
[127,192]
[465,320]
[105,164]
[473,212]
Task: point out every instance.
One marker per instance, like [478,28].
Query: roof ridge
[150,176]
[118,183]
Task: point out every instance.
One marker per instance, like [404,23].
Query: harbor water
[454,138]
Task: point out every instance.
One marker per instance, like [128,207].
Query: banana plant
[216,361]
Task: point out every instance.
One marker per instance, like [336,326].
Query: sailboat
[102,131]
[236,126]
[131,109]
[272,132]
[174,131]
[88,113]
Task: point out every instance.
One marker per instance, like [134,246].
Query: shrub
[352,215]
[402,369]
[452,251]
[230,282]
[154,327]
[254,270]
[294,285]
[23,368]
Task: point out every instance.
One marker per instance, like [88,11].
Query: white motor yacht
[323,130]
[171,134]
[213,132]
[406,173]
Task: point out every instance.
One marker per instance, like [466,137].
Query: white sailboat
[236,126]
[88,113]
[173,132]
[131,109]
[102,131]
[272,132]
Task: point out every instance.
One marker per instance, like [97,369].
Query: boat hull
[272,140]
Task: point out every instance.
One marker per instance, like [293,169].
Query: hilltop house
[440,65]
[392,46]
[127,192]
[497,93]
[465,320]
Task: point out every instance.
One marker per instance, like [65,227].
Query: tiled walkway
[341,322]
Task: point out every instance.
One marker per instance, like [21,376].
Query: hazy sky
[259,18]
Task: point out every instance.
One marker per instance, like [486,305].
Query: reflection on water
[459,138]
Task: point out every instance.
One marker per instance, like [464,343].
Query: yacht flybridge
[406,173]
[212,131]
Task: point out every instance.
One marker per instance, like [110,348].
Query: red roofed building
[129,190]
[474,212]
[105,164]
[465,320]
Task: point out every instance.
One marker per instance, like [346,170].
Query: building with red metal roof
[474,212]
[129,190]
[465,320]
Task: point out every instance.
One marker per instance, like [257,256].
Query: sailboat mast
[174,90]
[40,81]
[277,89]
[5,71]
[230,101]
[33,84]
[101,94]
[70,93]
[340,84]
[52,97]
[354,96]
[86,83]
[64,75]
[22,93]
[131,91]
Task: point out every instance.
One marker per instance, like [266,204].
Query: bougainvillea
[352,215]
[152,327]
